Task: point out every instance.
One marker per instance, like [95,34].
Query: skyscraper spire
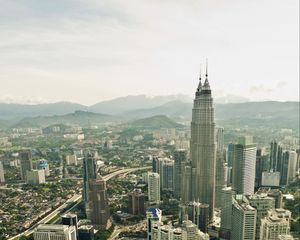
[206,74]
[200,83]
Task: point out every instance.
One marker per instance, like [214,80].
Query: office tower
[54,232]
[203,147]
[86,232]
[270,179]
[277,195]
[262,203]
[154,187]
[243,175]
[167,175]
[136,202]
[2,179]
[230,154]
[292,166]
[43,164]
[196,212]
[180,158]
[226,207]
[69,219]
[262,165]
[98,202]
[35,177]
[221,176]
[284,168]
[186,184]
[26,163]
[276,223]
[243,220]
[89,173]
[154,216]
[273,156]
[220,138]
[155,164]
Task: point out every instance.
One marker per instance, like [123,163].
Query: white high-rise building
[36,176]
[153,216]
[276,223]
[243,175]
[54,232]
[292,166]
[154,187]
[227,195]
[243,220]
[2,179]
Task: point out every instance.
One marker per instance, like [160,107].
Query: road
[75,198]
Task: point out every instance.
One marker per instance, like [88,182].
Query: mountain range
[131,108]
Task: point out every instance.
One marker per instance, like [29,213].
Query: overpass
[76,198]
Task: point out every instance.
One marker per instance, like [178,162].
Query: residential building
[136,202]
[35,176]
[153,187]
[2,179]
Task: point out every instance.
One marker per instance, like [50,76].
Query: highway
[75,198]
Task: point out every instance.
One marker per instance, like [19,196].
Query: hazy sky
[90,50]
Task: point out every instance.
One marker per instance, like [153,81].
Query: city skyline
[112,49]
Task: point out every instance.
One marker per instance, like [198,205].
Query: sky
[86,51]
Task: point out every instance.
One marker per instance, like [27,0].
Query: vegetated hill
[155,122]
[19,111]
[81,118]
[175,109]
[270,114]
[256,114]
[131,103]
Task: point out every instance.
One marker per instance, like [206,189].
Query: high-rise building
[203,148]
[43,164]
[69,219]
[2,179]
[136,202]
[284,171]
[262,165]
[274,155]
[35,177]
[243,176]
[154,216]
[98,202]
[86,232]
[165,168]
[154,187]
[277,195]
[180,158]
[230,154]
[89,173]
[292,166]
[54,232]
[226,207]
[262,203]
[26,163]
[221,167]
[167,175]
[276,223]
[186,184]
[243,220]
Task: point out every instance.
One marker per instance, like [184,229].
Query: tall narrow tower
[203,147]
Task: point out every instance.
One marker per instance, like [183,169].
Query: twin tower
[199,174]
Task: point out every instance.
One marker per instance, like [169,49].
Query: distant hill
[175,109]
[19,111]
[131,103]
[155,122]
[81,118]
